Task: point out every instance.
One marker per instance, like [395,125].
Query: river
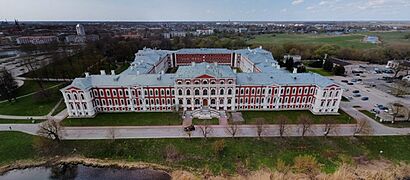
[81,172]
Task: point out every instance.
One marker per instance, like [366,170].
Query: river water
[81,172]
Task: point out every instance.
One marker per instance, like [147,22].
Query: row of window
[74,96]
[204,82]
[333,102]
[197,92]
[331,93]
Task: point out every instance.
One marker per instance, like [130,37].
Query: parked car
[345,81]
[356,91]
[357,95]
[350,83]
[189,128]
[365,98]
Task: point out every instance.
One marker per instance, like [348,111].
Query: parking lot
[368,89]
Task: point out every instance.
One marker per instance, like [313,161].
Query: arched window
[197,101]
[229,101]
[68,96]
[188,92]
[180,101]
[221,101]
[205,82]
[82,96]
[188,101]
[221,92]
[229,91]
[75,96]
[180,92]
[213,92]
[212,101]
[222,82]
[205,92]
[196,91]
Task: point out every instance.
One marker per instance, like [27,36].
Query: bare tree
[282,122]
[260,127]
[396,109]
[400,88]
[330,127]
[362,127]
[232,128]
[205,128]
[305,124]
[50,129]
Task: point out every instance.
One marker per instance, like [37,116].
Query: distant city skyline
[200,10]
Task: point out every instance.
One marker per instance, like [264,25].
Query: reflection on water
[81,172]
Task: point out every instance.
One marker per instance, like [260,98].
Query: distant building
[394,64]
[80,30]
[75,39]
[296,58]
[36,40]
[173,34]
[200,32]
[243,30]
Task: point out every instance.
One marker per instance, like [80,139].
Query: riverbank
[376,169]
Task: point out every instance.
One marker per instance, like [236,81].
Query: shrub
[306,164]
[218,146]
[171,153]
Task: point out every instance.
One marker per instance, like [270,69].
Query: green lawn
[352,40]
[213,121]
[31,105]
[320,71]
[271,117]
[60,107]
[198,153]
[19,121]
[127,119]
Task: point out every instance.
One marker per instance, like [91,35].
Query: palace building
[213,79]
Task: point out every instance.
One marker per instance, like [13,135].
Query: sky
[205,10]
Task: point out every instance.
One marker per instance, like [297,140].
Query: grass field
[127,119]
[251,153]
[213,121]
[319,71]
[351,40]
[31,105]
[271,117]
[59,108]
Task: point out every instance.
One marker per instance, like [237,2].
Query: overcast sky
[205,10]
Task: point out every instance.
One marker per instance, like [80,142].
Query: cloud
[296,2]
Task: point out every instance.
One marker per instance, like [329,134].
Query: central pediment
[203,76]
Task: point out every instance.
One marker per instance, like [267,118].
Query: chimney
[112,72]
[87,74]
[295,70]
[102,72]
